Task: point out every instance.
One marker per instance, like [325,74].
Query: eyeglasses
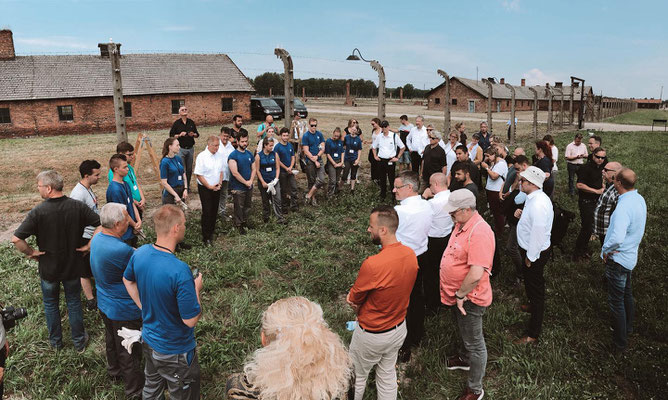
[432,138]
[430,129]
[453,213]
[609,170]
[599,157]
[400,187]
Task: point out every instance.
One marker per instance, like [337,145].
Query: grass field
[640,117]
[317,255]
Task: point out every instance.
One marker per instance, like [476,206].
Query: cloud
[177,28]
[54,42]
[511,5]
[537,77]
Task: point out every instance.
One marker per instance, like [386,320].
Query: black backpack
[562,218]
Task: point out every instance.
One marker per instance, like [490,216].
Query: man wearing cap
[415,215]
[464,281]
[380,297]
[533,237]
[575,154]
[385,152]
[185,131]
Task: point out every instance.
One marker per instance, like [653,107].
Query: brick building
[652,104]
[73,93]
[469,95]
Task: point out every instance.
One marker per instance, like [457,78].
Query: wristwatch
[459,298]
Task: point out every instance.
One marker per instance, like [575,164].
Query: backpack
[562,218]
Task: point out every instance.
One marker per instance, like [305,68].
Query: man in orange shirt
[380,297]
[465,272]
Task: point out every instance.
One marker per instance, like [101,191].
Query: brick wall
[6,45]
[96,115]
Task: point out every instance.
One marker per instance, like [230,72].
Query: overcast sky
[618,47]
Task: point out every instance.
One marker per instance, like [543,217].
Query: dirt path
[608,127]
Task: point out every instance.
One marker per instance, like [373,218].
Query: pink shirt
[471,244]
[572,150]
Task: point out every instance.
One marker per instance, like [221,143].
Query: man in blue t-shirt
[169,298]
[120,192]
[242,173]
[287,180]
[109,256]
[313,146]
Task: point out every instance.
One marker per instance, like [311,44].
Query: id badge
[389,163]
[134,187]
[180,177]
[336,155]
[268,169]
[351,151]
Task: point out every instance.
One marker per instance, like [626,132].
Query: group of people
[436,250]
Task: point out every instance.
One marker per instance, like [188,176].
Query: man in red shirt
[465,272]
[380,297]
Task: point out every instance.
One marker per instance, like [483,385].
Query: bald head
[519,152]
[438,182]
[611,169]
[626,180]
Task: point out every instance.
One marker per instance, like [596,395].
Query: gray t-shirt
[86,196]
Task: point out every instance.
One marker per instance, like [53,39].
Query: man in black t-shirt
[185,130]
[463,158]
[58,223]
[236,130]
[590,186]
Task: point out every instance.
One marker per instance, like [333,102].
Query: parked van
[298,106]
[263,106]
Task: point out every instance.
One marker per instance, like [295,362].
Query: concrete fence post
[446,105]
[512,112]
[490,94]
[289,84]
[535,113]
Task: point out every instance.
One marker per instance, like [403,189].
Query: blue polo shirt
[109,256]
[285,153]
[353,145]
[120,193]
[335,149]
[313,141]
[268,166]
[172,170]
[131,179]
[167,293]
[244,166]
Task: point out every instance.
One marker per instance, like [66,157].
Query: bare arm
[23,246]
[131,287]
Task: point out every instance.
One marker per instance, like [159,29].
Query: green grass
[318,256]
[639,117]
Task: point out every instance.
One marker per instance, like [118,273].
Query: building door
[498,106]
[471,106]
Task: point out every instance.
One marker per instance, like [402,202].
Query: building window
[65,113]
[437,100]
[227,104]
[128,109]
[454,102]
[507,103]
[176,104]
[4,116]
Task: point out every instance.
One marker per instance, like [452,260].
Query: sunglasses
[429,129]
[432,138]
[313,126]
[599,157]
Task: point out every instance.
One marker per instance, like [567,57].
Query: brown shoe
[525,308]
[526,340]
[469,395]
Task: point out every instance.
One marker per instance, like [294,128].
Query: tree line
[325,87]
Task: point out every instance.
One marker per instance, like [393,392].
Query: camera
[10,315]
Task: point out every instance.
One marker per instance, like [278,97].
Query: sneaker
[470,395]
[81,349]
[91,304]
[456,362]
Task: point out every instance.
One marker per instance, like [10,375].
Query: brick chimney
[502,81]
[524,82]
[6,45]
[558,84]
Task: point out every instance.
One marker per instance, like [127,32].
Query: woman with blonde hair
[301,357]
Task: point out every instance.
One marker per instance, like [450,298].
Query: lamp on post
[381,79]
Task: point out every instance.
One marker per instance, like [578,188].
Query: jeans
[534,284]
[475,350]
[386,169]
[572,171]
[620,300]
[120,363]
[416,311]
[288,183]
[187,160]
[224,194]
[315,175]
[270,202]
[181,378]
[379,349]
[587,208]
[51,299]
[431,277]
[349,167]
[242,205]
[210,202]
[333,175]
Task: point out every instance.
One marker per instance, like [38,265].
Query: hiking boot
[470,395]
[82,348]
[456,362]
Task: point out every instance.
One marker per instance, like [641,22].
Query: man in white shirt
[575,154]
[497,169]
[209,173]
[439,234]
[533,237]
[415,215]
[225,148]
[90,174]
[416,141]
[384,150]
